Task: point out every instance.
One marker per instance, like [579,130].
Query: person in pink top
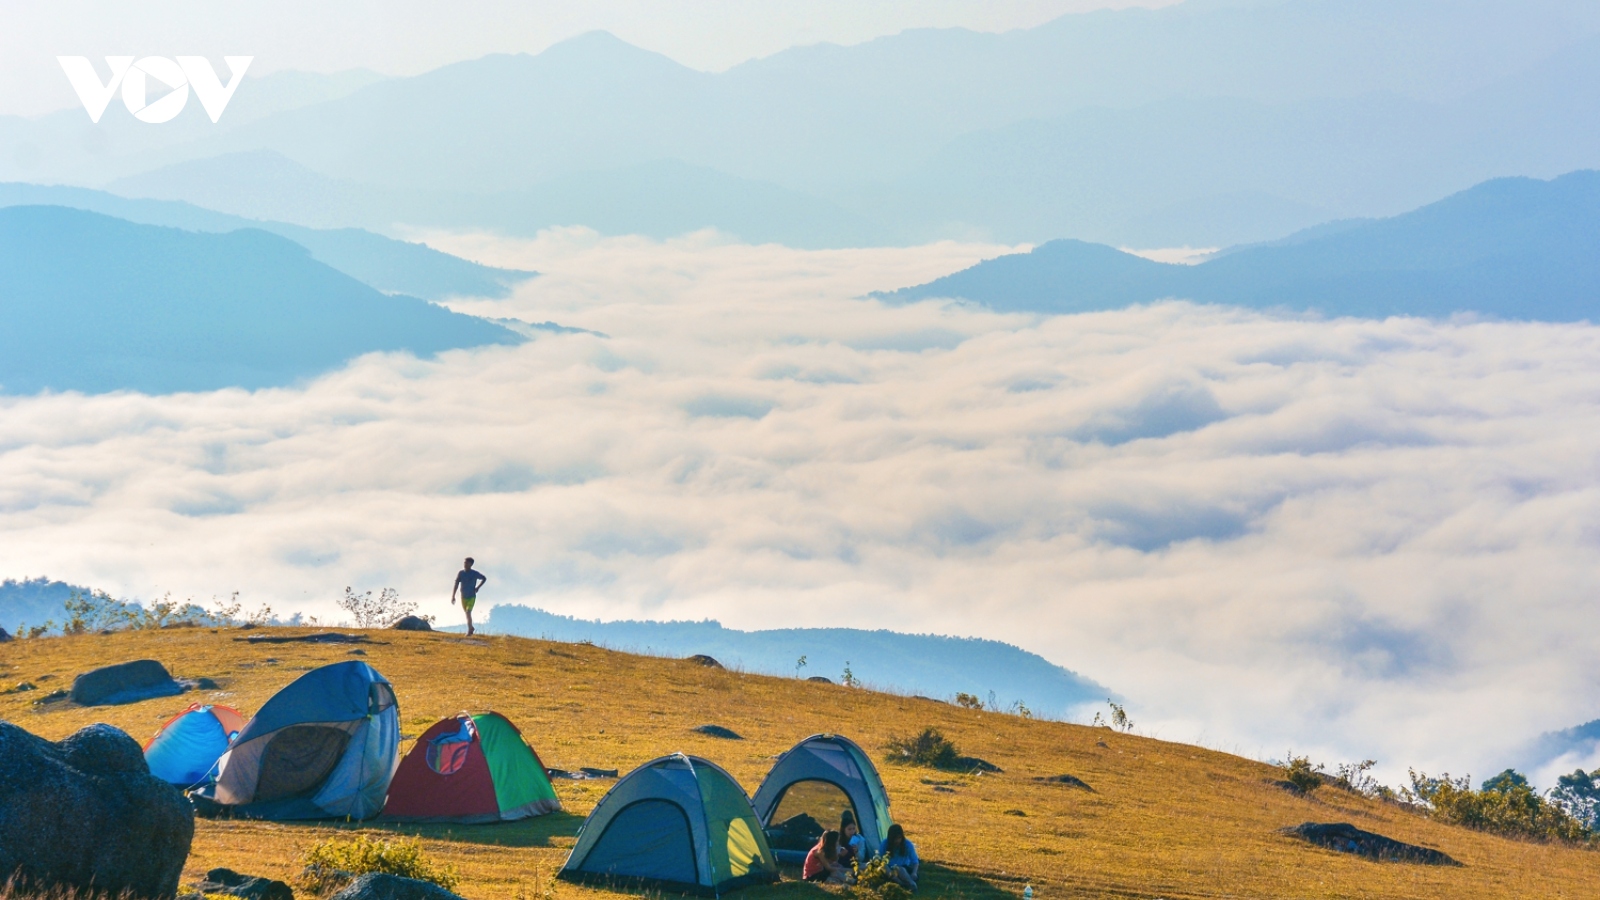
[822,863]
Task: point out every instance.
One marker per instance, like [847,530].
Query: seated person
[903,862]
[822,863]
[852,846]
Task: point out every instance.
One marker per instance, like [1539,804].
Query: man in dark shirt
[468,581]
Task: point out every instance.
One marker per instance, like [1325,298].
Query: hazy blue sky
[410,36]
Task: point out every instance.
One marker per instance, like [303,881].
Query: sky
[1269,533]
[411,36]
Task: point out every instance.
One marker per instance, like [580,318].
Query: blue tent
[807,789]
[186,748]
[324,747]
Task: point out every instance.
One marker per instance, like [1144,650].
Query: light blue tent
[324,747]
[186,748]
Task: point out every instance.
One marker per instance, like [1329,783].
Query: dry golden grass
[1165,820]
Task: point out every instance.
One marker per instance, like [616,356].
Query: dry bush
[333,862]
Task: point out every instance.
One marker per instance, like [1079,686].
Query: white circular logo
[166,72]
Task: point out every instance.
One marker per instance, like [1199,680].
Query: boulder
[251,887]
[705,660]
[126,682]
[85,813]
[4,636]
[820,679]
[1347,838]
[381,886]
[412,623]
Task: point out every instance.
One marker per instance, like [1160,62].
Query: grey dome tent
[677,823]
[809,786]
[324,747]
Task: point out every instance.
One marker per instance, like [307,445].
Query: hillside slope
[1513,247]
[1164,819]
[96,304]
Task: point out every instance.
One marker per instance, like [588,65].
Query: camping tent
[809,786]
[188,745]
[323,747]
[677,823]
[470,769]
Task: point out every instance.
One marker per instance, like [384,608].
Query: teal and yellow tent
[677,823]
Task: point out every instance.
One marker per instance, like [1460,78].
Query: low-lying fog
[1347,538]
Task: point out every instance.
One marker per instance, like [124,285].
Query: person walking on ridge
[468,581]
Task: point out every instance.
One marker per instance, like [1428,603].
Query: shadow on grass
[939,882]
[532,832]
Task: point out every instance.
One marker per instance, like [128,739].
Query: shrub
[1354,778]
[1119,718]
[1506,806]
[873,883]
[1300,772]
[930,748]
[968,701]
[330,863]
[376,612]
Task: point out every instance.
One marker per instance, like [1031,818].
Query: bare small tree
[375,612]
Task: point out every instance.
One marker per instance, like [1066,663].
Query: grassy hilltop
[1164,820]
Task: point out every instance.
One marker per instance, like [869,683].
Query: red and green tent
[470,768]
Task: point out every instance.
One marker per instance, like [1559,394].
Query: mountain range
[909,663]
[1515,248]
[391,266]
[92,303]
[1204,122]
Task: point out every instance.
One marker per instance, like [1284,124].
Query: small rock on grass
[974,764]
[381,886]
[705,660]
[1067,780]
[717,731]
[250,887]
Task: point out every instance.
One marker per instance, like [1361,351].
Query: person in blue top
[468,581]
[903,863]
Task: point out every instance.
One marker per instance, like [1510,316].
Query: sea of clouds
[1348,538]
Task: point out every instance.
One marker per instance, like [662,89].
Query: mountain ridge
[1519,248]
[939,665]
[99,304]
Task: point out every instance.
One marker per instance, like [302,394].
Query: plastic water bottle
[1027,892]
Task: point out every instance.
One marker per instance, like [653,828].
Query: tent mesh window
[806,809]
[297,760]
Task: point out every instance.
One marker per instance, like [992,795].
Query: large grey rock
[4,636]
[412,623]
[85,813]
[378,886]
[1346,838]
[124,683]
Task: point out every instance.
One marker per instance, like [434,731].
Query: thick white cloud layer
[1351,538]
